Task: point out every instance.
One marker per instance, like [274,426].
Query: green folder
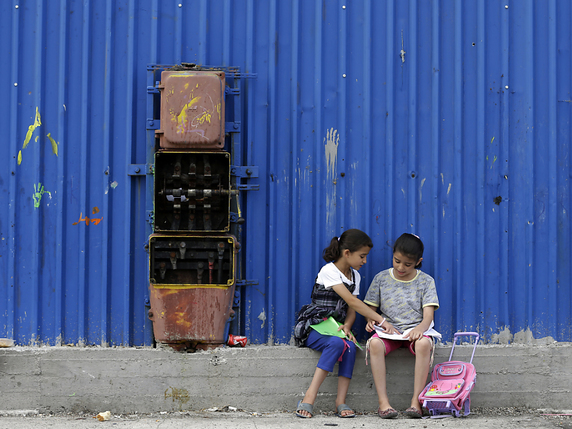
[330,327]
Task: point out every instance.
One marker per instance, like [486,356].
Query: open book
[330,326]
[381,333]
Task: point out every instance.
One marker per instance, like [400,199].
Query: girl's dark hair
[409,245]
[352,239]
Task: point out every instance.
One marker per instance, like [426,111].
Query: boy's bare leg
[343,386]
[377,352]
[422,357]
[310,397]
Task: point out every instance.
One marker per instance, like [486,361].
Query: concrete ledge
[258,378]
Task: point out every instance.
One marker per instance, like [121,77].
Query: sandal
[303,406]
[413,413]
[390,413]
[344,407]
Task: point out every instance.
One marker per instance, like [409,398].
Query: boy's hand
[415,334]
[348,332]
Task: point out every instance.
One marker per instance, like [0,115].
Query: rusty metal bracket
[232,127]
[244,282]
[139,169]
[153,124]
[245,171]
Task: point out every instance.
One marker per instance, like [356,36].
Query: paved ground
[482,419]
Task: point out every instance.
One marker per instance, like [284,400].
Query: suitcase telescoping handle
[460,334]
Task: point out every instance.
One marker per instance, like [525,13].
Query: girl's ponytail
[352,239]
[332,252]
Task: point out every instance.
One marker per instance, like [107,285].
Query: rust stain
[180,396]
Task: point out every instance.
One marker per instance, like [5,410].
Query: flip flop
[390,413]
[344,407]
[303,406]
[413,413]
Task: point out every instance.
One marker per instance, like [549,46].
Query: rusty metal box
[192,110]
[192,282]
[187,261]
[192,191]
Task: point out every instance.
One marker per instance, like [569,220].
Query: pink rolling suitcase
[449,391]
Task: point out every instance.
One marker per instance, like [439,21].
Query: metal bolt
[16,7]
[180,5]
[137,170]
[344,75]
[15,83]
[506,87]
[344,6]
[506,6]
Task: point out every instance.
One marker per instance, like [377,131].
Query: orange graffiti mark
[87,220]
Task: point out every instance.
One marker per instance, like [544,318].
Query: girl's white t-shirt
[330,276]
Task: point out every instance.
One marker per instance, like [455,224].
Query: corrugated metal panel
[447,119]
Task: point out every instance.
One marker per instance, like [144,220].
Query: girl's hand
[415,334]
[370,327]
[390,329]
[347,331]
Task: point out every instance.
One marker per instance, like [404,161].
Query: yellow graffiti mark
[205,117]
[19,157]
[54,144]
[182,117]
[186,86]
[177,395]
[32,128]
[36,139]
[181,319]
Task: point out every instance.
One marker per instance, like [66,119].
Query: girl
[335,294]
[407,298]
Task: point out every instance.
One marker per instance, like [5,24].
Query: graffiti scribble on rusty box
[192,109]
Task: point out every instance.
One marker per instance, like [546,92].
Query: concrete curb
[258,378]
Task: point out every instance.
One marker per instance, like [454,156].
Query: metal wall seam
[107,138]
[481,286]
[178,39]
[318,149]
[367,85]
[553,164]
[249,139]
[458,182]
[83,167]
[277,178]
[390,120]
[504,145]
[128,286]
[13,226]
[435,132]
[203,24]
[227,34]
[61,168]
[530,142]
[294,171]
[412,106]
[343,147]
[34,312]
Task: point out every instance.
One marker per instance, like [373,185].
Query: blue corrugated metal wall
[449,119]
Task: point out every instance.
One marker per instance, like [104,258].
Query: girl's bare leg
[422,358]
[310,397]
[377,352]
[343,386]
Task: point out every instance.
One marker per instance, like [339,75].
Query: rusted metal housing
[192,282]
[192,109]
